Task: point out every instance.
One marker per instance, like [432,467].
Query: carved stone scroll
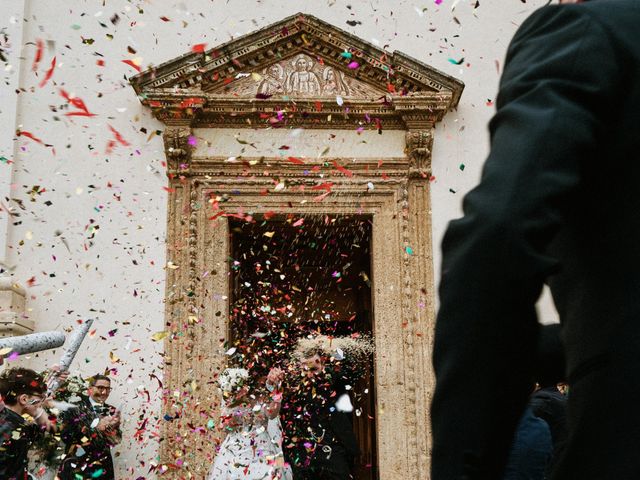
[418,149]
[177,148]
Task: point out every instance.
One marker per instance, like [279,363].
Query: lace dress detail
[252,448]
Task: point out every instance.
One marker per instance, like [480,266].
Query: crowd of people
[81,434]
[296,422]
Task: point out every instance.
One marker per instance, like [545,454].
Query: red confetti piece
[199,47]
[38,57]
[118,136]
[165,19]
[319,198]
[323,186]
[191,102]
[295,161]
[341,169]
[100,63]
[30,135]
[131,63]
[78,103]
[169,189]
[49,73]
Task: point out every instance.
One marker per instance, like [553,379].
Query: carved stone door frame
[214,89]
[402,276]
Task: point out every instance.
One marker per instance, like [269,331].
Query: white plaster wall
[118,275]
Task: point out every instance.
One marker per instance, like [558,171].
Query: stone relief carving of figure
[334,84]
[302,80]
[272,82]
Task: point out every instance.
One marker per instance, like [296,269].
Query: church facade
[132,196]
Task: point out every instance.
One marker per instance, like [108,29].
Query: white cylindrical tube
[73,345]
[34,342]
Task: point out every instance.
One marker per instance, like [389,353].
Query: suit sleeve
[559,76]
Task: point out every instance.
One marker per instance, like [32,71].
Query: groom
[319,442]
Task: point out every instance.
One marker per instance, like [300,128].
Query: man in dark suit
[89,431]
[319,442]
[558,202]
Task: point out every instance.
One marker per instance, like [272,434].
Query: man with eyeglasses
[89,431]
[22,420]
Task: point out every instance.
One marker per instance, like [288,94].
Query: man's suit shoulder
[610,15]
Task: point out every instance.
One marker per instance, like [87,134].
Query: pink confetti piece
[353,65]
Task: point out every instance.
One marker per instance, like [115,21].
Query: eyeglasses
[102,389]
[35,401]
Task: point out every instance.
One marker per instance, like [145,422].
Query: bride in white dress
[252,449]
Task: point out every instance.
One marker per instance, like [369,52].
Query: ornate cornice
[231,85]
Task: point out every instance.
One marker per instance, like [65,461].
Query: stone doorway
[301,274]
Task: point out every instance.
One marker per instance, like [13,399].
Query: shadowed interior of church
[295,275]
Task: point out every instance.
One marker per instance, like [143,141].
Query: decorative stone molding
[13,320]
[418,149]
[177,148]
[296,73]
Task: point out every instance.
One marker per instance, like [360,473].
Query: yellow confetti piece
[156,337]
[269,234]
[256,77]
[113,357]
[4,351]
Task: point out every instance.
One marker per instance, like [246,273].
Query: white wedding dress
[252,449]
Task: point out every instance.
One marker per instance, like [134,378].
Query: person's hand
[42,420]
[54,372]
[104,424]
[275,376]
[115,420]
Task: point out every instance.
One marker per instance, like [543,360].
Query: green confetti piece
[409,250]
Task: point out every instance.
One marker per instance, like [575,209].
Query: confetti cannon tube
[73,345]
[34,342]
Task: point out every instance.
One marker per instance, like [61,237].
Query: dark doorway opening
[296,275]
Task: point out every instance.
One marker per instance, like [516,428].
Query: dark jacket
[88,451]
[558,202]
[16,437]
[309,417]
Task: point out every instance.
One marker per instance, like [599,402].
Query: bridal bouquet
[232,379]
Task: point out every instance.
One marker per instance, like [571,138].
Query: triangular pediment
[298,58]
